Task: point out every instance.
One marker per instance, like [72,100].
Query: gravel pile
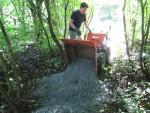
[76,90]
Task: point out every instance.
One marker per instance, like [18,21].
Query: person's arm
[72,25]
[72,19]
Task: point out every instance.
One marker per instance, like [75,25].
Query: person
[77,18]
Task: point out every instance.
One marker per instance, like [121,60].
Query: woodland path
[76,90]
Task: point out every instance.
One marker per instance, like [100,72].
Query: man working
[77,18]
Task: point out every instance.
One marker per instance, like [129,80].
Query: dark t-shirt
[77,18]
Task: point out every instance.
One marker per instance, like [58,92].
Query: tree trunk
[39,5]
[49,20]
[142,62]
[147,31]
[133,34]
[36,15]
[125,30]
[15,66]
[66,7]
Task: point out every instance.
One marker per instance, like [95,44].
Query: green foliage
[138,31]
[129,92]
[136,97]
[25,23]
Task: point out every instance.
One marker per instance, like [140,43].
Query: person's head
[83,7]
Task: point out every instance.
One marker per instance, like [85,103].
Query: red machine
[84,48]
[97,38]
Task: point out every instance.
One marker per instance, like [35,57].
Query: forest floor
[77,90]
[34,65]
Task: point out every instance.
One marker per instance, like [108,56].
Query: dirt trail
[76,90]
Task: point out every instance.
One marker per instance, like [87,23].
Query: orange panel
[80,48]
[98,38]
[78,42]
